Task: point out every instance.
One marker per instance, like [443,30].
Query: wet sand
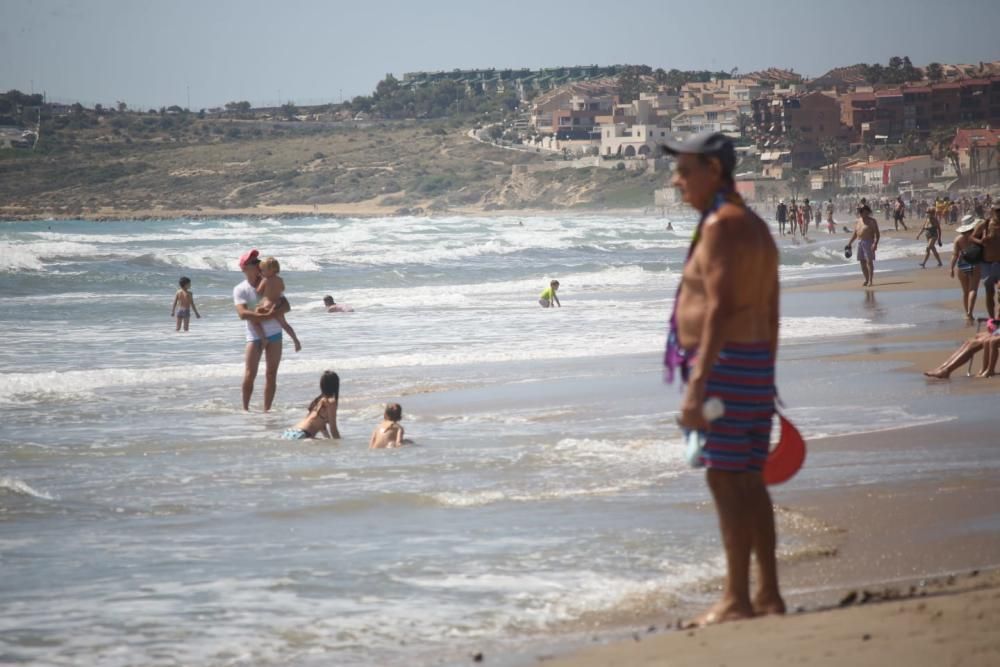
[900,570]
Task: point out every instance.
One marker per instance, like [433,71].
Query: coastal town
[923,132]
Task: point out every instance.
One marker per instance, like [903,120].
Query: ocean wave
[12,485]
[20,256]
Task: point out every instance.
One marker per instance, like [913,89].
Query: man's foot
[940,264]
[721,613]
[985,374]
[768,606]
[922,265]
[937,373]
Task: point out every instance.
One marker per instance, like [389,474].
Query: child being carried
[272,291]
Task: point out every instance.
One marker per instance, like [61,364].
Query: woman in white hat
[968,272]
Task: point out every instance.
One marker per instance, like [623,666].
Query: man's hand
[692,415]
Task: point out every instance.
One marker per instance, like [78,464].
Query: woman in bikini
[322,417]
[968,273]
[932,229]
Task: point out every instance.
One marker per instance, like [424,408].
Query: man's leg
[271,372]
[865,271]
[767,599]
[991,289]
[251,359]
[729,490]
[187,322]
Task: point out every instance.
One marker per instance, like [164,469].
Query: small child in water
[322,417]
[389,433]
[184,304]
[549,297]
[272,290]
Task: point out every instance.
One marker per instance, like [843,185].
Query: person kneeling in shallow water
[322,417]
[389,433]
[548,296]
[988,342]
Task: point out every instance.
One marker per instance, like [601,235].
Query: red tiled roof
[982,137]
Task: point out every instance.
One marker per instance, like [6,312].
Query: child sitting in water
[272,290]
[322,417]
[549,295]
[389,433]
[184,304]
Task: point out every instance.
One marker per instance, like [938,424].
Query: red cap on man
[249,257]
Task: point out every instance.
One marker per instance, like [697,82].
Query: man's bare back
[736,261]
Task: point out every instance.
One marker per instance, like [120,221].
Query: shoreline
[291,211]
[924,549]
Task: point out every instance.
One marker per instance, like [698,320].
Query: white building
[882,175]
[631,141]
[712,117]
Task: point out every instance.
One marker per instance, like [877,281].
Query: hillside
[148,165]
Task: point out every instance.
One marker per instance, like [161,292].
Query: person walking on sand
[831,226]
[723,339]
[899,214]
[184,304]
[548,296]
[968,272]
[782,215]
[867,235]
[987,234]
[932,230]
[245,299]
[806,213]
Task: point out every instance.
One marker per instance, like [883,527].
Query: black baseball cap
[709,144]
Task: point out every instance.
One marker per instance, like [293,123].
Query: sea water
[146,519]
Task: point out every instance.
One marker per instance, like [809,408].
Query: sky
[204,53]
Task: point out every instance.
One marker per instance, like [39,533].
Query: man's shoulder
[242,289]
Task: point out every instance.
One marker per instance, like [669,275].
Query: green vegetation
[899,70]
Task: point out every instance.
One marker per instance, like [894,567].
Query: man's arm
[173,308]
[399,437]
[556,299]
[979,233]
[195,308]
[878,235]
[854,236]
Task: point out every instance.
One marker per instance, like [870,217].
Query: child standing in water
[322,416]
[389,433]
[184,304]
[549,295]
[272,290]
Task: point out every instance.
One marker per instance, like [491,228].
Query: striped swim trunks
[743,378]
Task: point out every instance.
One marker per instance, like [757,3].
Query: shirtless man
[726,323]
[867,234]
[987,233]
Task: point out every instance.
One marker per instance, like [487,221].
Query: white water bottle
[711,410]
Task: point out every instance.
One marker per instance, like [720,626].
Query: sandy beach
[897,573]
